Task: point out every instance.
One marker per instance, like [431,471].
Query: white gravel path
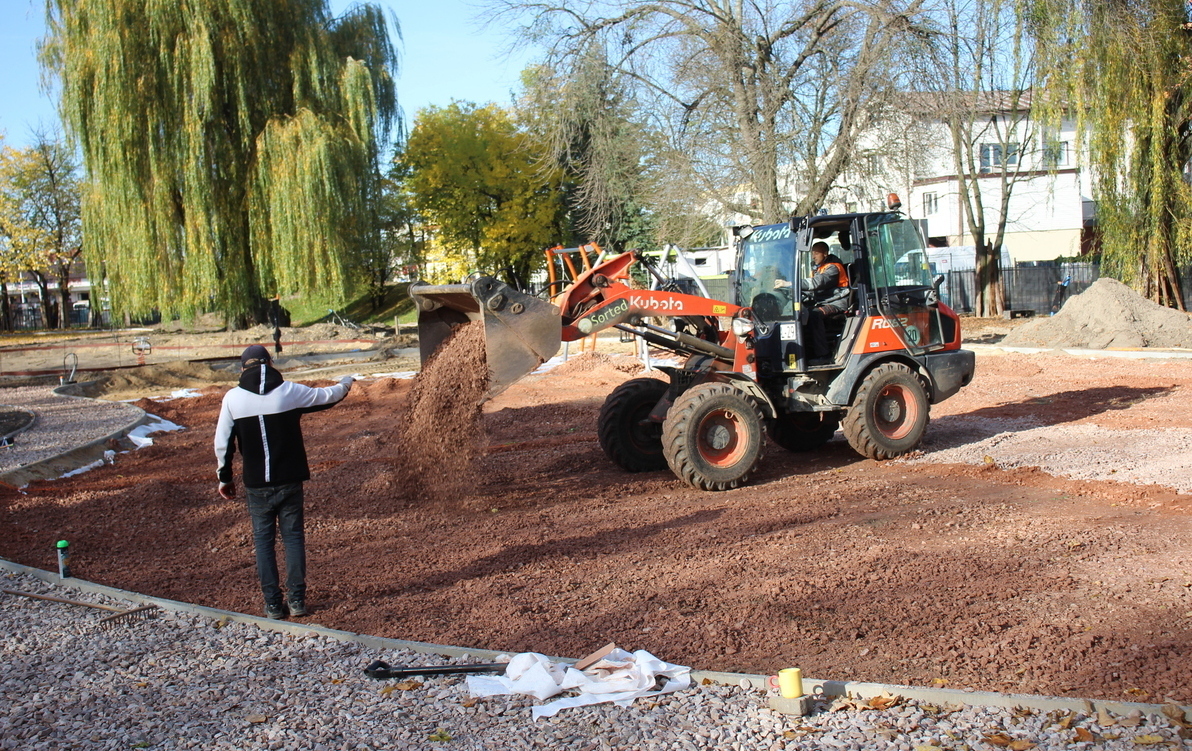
[1082,452]
[184,682]
[63,422]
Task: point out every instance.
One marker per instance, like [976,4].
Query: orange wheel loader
[746,372]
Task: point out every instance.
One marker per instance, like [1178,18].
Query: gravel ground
[62,422]
[63,684]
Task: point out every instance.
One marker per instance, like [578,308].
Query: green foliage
[592,130]
[478,178]
[40,225]
[231,145]
[1125,72]
[395,302]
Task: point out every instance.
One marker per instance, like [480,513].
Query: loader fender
[843,388]
[751,387]
[699,370]
[949,372]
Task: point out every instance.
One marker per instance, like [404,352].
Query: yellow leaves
[440,735]
[409,685]
[336,681]
[469,702]
[1150,740]
[1176,715]
[884,701]
[939,682]
[1082,735]
[1004,741]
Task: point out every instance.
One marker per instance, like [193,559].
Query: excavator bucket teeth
[520,331]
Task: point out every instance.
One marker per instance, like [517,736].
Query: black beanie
[254,355]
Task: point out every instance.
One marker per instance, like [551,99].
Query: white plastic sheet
[620,678]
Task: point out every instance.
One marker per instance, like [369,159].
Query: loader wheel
[889,415]
[713,436]
[629,438]
[804,431]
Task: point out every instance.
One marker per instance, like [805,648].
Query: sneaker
[274,612]
[297,608]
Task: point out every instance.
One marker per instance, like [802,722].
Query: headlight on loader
[742,327]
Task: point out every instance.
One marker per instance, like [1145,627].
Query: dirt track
[900,572]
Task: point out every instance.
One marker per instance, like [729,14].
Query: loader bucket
[520,331]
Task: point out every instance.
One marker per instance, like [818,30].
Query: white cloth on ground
[620,677]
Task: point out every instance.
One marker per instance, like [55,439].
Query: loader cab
[893,302]
[782,252]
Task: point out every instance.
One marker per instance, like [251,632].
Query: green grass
[397,303]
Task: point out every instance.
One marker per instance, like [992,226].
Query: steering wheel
[766,307]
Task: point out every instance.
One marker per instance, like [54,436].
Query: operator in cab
[829,292]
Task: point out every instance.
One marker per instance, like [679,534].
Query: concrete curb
[71,459]
[13,434]
[816,688]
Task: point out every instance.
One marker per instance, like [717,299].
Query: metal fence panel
[1042,289]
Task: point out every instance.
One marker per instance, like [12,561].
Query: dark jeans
[271,508]
[817,334]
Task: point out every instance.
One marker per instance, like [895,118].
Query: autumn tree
[480,181]
[231,146]
[39,216]
[1124,71]
[976,74]
[770,97]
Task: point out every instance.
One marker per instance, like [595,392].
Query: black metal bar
[382,670]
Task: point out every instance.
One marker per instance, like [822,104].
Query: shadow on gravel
[1069,406]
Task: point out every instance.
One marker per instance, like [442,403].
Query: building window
[998,155]
[1055,154]
[931,203]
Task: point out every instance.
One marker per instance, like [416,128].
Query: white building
[1050,213]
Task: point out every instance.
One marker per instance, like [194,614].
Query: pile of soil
[971,576]
[154,380]
[1107,315]
[442,427]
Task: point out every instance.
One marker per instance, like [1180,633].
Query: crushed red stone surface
[948,574]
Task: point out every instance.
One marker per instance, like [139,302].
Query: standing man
[263,416]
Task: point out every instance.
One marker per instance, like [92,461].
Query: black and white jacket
[263,415]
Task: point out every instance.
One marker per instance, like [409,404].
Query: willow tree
[1125,69]
[231,146]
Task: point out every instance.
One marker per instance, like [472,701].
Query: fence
[1041,289]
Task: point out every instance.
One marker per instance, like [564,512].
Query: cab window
[897,257]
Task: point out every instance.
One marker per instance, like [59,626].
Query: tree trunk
[5,308]
[991,296]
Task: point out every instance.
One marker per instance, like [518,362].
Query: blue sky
[447,52]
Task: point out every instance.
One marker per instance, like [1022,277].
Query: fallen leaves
[1005,741]
[1083,735]
[1175,713]
[883,701]
[440,735]
[1150,740]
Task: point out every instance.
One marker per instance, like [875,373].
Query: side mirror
[933,297]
